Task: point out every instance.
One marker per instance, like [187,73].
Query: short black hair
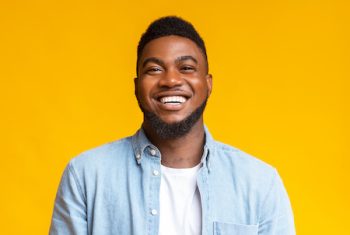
[167,26]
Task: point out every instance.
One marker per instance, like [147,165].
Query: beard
[173,130]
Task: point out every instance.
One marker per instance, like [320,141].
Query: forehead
[171,47]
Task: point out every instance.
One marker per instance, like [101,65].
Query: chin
[171,121]
[176,126]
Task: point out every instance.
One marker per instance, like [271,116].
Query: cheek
[200,87]
[144,90]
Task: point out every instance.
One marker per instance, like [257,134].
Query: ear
[135,86]
[209,79]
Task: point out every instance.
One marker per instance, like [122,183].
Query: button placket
[153,174]
[154,212]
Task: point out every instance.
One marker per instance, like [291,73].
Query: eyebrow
[160,62]
[154,60]
[186,57]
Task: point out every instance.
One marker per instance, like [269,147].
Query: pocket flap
[234,229]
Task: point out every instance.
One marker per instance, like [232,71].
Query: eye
[187,69]
[153,70]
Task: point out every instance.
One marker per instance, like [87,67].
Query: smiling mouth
[173,100]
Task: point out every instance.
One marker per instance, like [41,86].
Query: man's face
[173,81]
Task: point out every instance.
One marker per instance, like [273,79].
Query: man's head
[173,83]
[167,26]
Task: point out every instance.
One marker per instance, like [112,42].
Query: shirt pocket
[234,229]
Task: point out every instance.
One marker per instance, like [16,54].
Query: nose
[171,78]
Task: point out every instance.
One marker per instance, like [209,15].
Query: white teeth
[173,99]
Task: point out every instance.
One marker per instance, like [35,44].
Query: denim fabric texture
[113,190]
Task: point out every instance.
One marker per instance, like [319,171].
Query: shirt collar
[140,142]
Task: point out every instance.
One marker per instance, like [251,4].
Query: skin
[168,66]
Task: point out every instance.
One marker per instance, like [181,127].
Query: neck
[183,152]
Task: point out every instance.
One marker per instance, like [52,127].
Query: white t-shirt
[180,204]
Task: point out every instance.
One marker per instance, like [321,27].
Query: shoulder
[104,156]
[243,159]
[242,166]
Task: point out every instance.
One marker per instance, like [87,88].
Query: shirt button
[155,172]
[154,212]
[153,152]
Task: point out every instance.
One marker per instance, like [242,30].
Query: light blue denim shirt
[114,190]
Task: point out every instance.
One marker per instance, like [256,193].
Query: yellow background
[281,83]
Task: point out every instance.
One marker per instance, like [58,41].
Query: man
[171,177]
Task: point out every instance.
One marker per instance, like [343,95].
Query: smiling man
[171,177]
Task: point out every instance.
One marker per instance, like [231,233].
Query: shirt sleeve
[276,215]
[69,215]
